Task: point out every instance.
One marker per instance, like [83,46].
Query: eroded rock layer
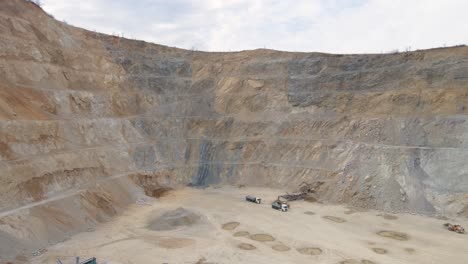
[92,120]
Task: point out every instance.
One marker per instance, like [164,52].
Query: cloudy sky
[336,26]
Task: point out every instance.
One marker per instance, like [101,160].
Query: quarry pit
[133,152]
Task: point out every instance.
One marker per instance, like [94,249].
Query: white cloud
[336,26]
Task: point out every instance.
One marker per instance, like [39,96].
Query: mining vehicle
[280,205]
[253,199]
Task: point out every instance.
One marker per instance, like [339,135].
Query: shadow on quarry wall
[415,183]
[207,173]
[211,170]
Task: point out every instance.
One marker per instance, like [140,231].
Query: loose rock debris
[39,252]
[306,187]
[455,228]
[293,196]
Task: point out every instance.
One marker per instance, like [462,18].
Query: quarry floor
[308,233]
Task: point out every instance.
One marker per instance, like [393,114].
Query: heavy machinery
[455,228]
[280,205]
[294,196]
[253,199]
[306,187]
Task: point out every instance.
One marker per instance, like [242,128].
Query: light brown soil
[352,210]
[350,261]
[309,213]
[310,199]
[174,219]
[390,217]
[353,261]
[127,239]
[379,250]
[202,260]
[334,219]
[394,235]
[173,243]
[366,261]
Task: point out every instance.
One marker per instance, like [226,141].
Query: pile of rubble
[306,191]
[455,228]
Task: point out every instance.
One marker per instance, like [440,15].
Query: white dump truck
[280,205]
[253,199]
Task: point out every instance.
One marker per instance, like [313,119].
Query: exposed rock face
[86,118]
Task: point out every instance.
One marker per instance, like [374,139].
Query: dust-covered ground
[216,225]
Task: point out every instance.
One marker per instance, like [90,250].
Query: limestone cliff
[88,119]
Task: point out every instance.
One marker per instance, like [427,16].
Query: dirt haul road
[216,225]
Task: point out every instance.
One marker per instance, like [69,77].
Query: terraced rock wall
[89,119]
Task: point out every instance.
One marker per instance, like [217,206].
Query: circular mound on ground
[174,219]
[310,251]
[394,235]
[230,225]
[246,246]
[379,250]
[334,219]
[241,234]
[262,237]
[280,247]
